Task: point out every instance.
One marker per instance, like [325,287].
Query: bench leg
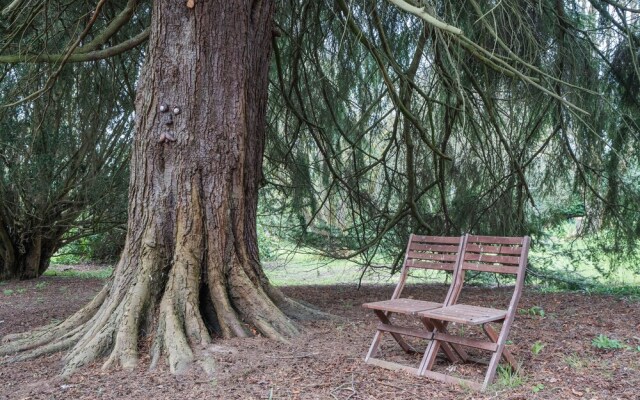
[382,316]
[493,335]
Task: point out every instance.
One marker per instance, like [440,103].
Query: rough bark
[29,259]
[190,267]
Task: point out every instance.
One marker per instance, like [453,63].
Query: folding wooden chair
[423,252]
[500,255]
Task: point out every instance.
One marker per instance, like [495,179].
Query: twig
[296,356]
[341,387]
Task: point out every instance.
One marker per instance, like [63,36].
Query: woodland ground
[326,362]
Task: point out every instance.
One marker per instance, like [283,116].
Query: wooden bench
[499,255]
[423,252]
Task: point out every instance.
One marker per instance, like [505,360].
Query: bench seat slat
[466,314]
[403,306]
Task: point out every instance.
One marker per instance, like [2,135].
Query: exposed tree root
[21,342]
[134,304]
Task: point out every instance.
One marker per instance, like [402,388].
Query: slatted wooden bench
[500,255]
[423,252]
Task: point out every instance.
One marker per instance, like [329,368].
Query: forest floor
[551,337]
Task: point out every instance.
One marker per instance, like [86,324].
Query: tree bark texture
[190,267]
[25,256]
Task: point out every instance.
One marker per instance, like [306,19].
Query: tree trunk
[190,265]
[28,260]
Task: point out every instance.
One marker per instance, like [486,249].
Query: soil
[326,362]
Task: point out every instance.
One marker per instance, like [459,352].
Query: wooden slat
[437,239]
[420,333]
[403,306]
[500,269]
[433,256]
[487,258]
[465,314]
[391,365]
[495,239]
[430,265]
[433,247]
[438,376]
[476,248]
[464,341]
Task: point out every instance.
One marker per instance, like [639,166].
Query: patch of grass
[533,311]
[537,348]
[41,285]
[101,273]
[575,361]
[537,387]
[603,342]
[508,378]
[631,292]
[7,292]
[21,290]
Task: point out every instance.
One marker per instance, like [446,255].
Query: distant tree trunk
[29,259]
[190,266]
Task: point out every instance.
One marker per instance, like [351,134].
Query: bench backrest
[495,254]
[440,253]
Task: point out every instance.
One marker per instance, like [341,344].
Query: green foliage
[7,292]
[575,361]
[537,387]
[100,273]
[537,348]
[99,248]
[631,292]
[506,377]
[533,311]
[603,342]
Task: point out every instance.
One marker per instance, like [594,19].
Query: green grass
[101,273]
[533,311]
[603,342]
[576,362]
[585,259]
[309,269]
[560,253]
[537,347]
[506,377]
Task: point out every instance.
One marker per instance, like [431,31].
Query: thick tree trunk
[190,266]
[28,260]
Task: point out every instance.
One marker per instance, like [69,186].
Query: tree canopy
[392,117]
[507,119]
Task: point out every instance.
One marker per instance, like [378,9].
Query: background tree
[63,162]
[65,136]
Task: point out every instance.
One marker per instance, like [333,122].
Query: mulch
[326,361]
